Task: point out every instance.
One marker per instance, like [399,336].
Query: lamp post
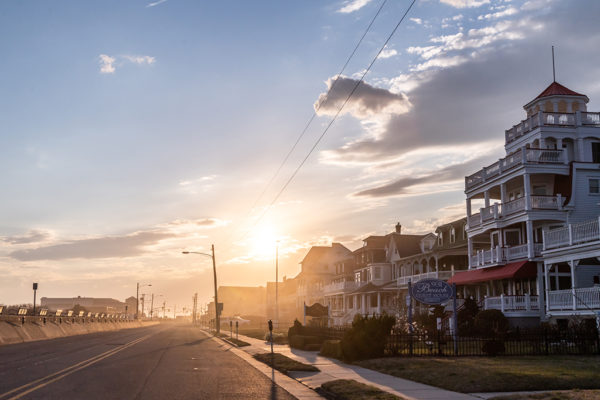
[152,306]
[212,255]
[277,283]
[35,286]
[137,298]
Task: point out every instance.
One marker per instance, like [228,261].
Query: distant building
[243,300]
[286,304]
[131,303]
[89,303]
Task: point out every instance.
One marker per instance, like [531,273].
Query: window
[452,235]
[594,186]
[377,273]
[512,237]
[596,152]
[539,190]
[440,239]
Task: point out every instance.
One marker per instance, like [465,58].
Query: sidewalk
[332,369]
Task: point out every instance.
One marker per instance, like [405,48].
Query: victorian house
[532,216]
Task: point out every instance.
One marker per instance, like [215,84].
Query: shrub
[493,347]
[312,347]
[466,317]
[301,341]
[367,338]
[332,348]
[491,322]
[295,329]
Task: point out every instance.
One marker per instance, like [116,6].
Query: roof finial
[553,69]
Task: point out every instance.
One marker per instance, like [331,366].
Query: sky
[132,131]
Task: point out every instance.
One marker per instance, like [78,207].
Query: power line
[335,116]
[314,114]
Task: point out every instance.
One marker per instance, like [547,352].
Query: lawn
[495,374]
[568,395]
[349,389]
[284,364]
[279,337]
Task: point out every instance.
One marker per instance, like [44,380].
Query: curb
[287,383]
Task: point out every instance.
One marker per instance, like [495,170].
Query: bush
[493,347]
[302,341]
[367,338]
[491,322]
[296,329]
[466,317]
[312,347]
[331,348]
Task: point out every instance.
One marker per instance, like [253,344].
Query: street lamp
[137,298]
[212,255]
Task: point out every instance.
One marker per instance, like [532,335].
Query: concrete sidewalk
[331,369]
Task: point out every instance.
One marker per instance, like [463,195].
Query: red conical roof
[556,89]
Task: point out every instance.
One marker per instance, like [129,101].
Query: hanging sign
[431,291]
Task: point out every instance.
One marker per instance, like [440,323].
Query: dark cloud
[32,236]
[105,247]
[481,98]
[367,100]
[401,186]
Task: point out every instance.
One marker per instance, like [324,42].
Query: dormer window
[452,235]
[440,239]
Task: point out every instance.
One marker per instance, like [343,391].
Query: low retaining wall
[17,330]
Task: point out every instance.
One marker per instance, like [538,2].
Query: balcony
[513,304]
[580,299]
[520,157]
[403,280]
[551,119]
[573,234]
[504,210]
[339,287]
[501,255]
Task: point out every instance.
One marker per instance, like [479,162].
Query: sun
[262,242]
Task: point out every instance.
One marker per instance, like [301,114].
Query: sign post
[271,334]
[35,286]
[454,320]
[237,330]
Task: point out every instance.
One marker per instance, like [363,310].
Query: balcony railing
[504,210]
[339,286]
[501,255]
[512,303]
[520,157]
[572,234]
[403,280]
[574,299]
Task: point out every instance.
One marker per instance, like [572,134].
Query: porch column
[378,302]
[527,190]
[540,287]
[573,294]
[486,198]
[530,251]
[364,303]
[580,150]
[468,209]
[469,251]
[547,281]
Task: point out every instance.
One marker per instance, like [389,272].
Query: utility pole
[174,308]
[195,308]
[137,300]
[143,298]
[164,305]
[152,307]
[277,283]
[218,319]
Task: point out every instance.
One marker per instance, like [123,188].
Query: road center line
[55,376]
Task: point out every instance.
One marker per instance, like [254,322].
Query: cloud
[388,53]
[103,247]
[403,185]
[465,3]
[367,101]
[500,14]
[107,64]
[155,3]
[33,236]
[353,5]
[417,21]
[118,246]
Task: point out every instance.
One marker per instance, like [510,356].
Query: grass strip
[562,395]
[349,389]
[495,374]
[238,343]
[284,364]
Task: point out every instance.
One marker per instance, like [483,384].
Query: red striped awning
[518,270]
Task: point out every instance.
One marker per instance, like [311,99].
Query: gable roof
[556,89]
[407,245]
[317,252]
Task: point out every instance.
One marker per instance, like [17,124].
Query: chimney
[398,228]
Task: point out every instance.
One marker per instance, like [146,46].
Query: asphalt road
[164,361]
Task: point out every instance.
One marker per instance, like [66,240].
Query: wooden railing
[572,234]
[506,303]
[574,299]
